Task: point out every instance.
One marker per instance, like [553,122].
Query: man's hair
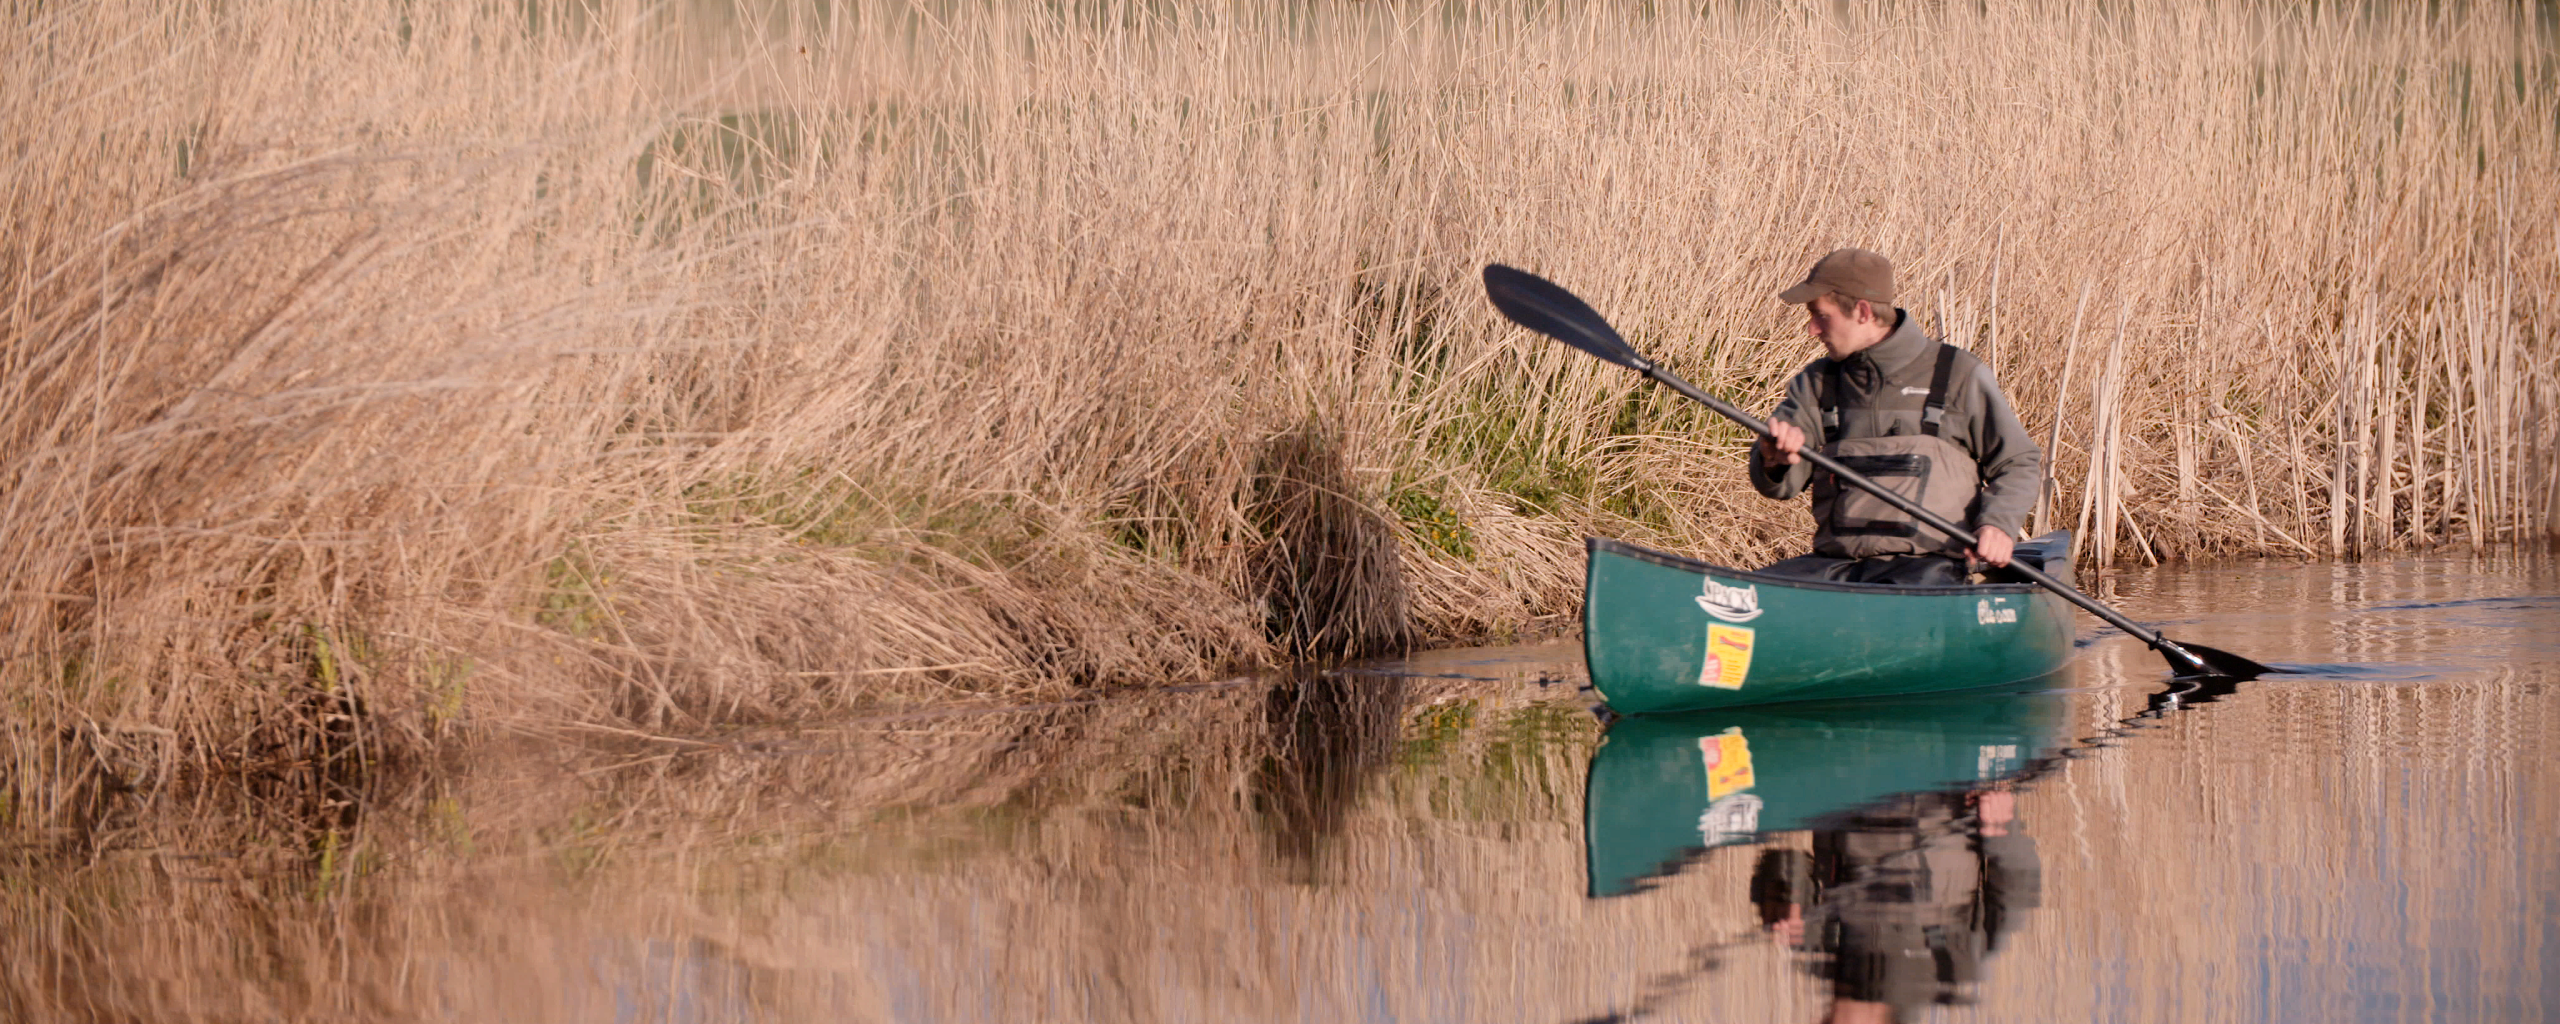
[1848,307]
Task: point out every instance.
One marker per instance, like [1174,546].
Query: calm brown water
[2375,839]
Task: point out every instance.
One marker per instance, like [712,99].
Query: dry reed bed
[463,370]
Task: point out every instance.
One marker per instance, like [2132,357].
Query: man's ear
[1867,312]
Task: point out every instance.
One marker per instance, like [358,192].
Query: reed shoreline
[383,380]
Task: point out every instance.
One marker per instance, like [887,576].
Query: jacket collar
[1905,345]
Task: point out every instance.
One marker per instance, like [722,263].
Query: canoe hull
[1666,633]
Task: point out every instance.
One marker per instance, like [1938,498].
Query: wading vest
[1911,460]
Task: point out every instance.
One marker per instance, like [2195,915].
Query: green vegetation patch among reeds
[655,367]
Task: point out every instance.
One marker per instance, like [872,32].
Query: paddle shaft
[1934,520]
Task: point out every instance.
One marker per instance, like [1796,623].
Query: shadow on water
[1917,867]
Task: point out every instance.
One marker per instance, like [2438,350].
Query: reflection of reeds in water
[1329,737]
[1085,839]
[2383,866]
[1121,862]
[484,370]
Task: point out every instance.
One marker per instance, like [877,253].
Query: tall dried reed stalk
[450,368]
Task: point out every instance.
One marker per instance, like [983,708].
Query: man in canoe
[1921,417]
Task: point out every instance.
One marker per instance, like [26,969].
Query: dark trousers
[1905,570]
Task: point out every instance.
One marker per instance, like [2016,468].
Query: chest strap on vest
[1933,411]
[1828,397]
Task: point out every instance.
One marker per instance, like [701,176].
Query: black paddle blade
[2218,664]
[1542,306]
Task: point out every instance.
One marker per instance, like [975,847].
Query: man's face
[1841,331]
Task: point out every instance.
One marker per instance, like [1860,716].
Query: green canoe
[1663,788]
[1665,633]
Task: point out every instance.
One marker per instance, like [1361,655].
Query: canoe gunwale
[1671,561]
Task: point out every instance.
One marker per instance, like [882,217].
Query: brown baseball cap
[1856,273]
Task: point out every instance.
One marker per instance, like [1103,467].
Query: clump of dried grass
[1330,570]
[662,368]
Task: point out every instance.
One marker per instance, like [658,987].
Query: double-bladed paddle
[1542,306]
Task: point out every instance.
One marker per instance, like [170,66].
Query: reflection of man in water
[1907,898]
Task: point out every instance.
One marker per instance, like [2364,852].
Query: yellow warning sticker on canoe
[1728,657]
[1728,758]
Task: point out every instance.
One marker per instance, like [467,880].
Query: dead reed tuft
[1331,575]
[661,367]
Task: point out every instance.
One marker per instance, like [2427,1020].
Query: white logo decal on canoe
[1991,613]
[1732,604]
[1730,820]
[1993,760]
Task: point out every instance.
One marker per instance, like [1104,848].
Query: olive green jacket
[1977,419]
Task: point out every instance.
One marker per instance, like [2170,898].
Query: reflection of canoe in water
[1663,787]
[1664,633]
